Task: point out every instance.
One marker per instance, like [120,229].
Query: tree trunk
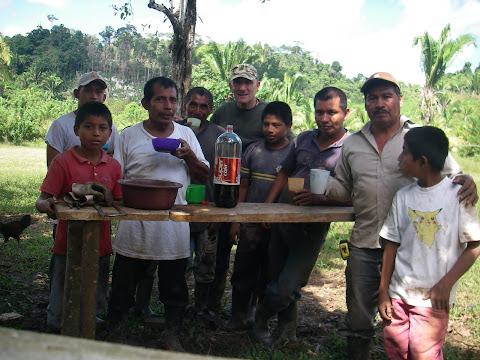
[183,21]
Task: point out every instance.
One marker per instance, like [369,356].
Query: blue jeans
[292,254]
[364,267]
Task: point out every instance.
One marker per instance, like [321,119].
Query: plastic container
[226,179]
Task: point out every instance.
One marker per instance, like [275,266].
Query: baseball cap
[246,71]
[87,78]
[379,76]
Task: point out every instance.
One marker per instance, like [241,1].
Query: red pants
[415,332]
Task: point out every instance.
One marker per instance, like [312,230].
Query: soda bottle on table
[226,180]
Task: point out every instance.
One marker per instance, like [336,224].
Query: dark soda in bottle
[226,179]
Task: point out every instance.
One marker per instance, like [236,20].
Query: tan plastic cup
[294,185]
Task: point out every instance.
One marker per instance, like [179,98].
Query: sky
[365,36]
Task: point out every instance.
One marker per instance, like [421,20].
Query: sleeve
[55,179]
[341,186]
[451,167]
[119,152]
[55,136]
[390,229]
[195,145]
[468,225]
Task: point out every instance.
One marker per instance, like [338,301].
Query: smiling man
[367,172]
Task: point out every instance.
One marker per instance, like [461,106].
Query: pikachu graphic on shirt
[425,224]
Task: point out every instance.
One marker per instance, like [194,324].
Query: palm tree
[5,58]
[435,57]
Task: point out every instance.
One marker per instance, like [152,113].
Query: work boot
[260,331]
[287,324]
[173,324]
[142,298]
[217,288]
[240,311]
[358,348]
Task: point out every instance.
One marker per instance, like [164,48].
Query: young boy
[260,165]
[294,248]
[81,164]
[141,245]
[430,240]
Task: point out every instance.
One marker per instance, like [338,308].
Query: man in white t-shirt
[139,245]
[60,137]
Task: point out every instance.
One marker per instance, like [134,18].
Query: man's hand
[184,152]
[234,233]
[305,197]
[46,206]
[468,191]
[439,295]
[385,305]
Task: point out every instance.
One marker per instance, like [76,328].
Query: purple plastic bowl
[165,144]
[149,194]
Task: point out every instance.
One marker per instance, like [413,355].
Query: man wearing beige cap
[368,172]
[60,137]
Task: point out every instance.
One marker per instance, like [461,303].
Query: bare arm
[278,186]
[51,153]
[44,204]
[439,294]
[388,265]
[305,197]
[242,196]
[198,170]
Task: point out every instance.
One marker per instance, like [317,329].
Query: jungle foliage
[39,71]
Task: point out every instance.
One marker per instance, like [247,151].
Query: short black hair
[430,142]
[279,109]
[200,91]
[163,81]
[329,93]
[93,108]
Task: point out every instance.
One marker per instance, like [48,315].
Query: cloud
[59,4]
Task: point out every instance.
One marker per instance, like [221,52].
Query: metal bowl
[149,194]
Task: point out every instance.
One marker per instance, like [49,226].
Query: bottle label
[227,171]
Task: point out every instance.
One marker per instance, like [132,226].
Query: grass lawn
[24,283]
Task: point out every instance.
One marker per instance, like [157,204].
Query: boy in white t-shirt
[430,240]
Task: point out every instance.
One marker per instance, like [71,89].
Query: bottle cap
[204,203]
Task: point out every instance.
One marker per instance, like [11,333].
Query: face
[330,117]
[406,164]
[198,107]
[383,106]
[274,130]
[93,132]
[162,106]
[244,92]
[93,91]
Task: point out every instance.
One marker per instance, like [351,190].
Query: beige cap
[379,76]
[87,78]
[246,71]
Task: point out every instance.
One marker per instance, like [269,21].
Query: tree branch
[168,13]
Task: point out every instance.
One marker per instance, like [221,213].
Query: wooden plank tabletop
[243,212]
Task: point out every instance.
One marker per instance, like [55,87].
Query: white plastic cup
[318,180]
[194,124]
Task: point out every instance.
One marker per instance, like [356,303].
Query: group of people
[432,215]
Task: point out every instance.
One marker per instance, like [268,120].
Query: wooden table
[80,294]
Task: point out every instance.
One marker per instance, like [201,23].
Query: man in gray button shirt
[368,173]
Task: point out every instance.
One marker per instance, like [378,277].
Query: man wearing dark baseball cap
[370,157]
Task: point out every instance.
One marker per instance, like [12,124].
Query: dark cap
[379,76]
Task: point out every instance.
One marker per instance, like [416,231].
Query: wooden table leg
[81,279]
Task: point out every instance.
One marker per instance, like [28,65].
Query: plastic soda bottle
[226,178]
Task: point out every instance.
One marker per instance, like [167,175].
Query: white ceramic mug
[318,180]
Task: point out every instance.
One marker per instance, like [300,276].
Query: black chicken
[15,228]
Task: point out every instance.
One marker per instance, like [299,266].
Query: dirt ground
[322,306]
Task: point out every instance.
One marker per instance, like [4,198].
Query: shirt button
[95,174]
